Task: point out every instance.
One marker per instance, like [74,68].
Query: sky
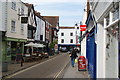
[70,12]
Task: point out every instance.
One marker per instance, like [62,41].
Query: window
[116,14]
[62,40]
[22,11]
[22,29]
[71,34]
[13,5]
[19,13]
[12,26]
[29,34]
[71,40]
[62,34]
[107,20]
[41,37]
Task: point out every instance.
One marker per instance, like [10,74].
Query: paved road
[47,69]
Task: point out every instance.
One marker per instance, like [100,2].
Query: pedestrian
[30,51]
[22,60]
[73,55]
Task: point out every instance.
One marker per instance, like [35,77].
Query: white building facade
[16,32]
[68,37]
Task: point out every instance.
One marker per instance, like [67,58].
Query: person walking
[73,55]
[30,51]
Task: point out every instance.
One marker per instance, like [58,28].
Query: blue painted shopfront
[91,54]
[91,45]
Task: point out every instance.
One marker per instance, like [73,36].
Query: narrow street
[59,39]
[46,69]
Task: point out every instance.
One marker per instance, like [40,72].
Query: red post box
[82,63]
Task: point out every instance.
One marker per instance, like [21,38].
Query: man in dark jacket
[73,56]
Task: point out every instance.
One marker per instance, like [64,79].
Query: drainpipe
[80,38]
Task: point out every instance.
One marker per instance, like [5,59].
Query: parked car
[64,49]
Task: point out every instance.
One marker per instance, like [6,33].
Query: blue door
[91,54]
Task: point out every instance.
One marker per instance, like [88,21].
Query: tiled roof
[53,20]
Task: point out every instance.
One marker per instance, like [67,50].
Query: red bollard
[82,66]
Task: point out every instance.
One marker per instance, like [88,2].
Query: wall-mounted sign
[24,20]
[82,27]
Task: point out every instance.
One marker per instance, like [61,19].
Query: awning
[39,45]
[35,45]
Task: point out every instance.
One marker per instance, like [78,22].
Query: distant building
[54,21]
[41,28]
[68,37]
[32,24]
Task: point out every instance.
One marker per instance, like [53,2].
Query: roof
[28,5]
[53,20]
[66,27]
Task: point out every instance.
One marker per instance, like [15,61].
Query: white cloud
[54,1]
[60,12]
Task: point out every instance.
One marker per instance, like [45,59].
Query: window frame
[62,40]
[13,6]
[71,34]
[13,26]
[22,29]
[71,40]
[62,33]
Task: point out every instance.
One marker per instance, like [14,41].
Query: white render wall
[66,36]
[1,16]
[100,52]
[112,58]
[13,15]
[83,42]
[83,47]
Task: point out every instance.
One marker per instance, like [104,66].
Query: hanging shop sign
[24,20]
[82,27]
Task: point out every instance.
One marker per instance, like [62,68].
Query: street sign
[82,27]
